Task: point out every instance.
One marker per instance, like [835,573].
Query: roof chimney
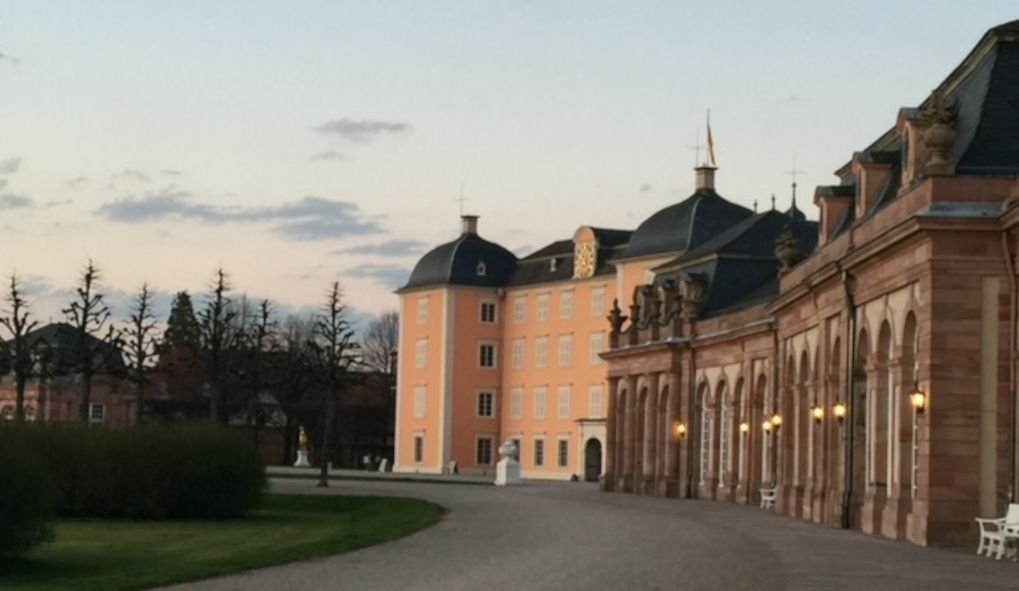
[705,177]
[469,224]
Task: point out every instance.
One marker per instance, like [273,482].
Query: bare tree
[380,342]
[378,351]
[217,338]
[332,348]
[20,351]
[141,343]
[97,337]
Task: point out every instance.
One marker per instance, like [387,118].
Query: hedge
[26,500]
[149,472]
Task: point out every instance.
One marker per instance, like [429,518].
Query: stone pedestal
[302,459]
[507,471]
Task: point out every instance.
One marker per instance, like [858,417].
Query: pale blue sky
[288,141]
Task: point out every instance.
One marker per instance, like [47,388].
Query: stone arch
[881,410]
[833,464]
[739,416]
[908,460]
[619,459]
[759,463]
[859,423]
[641,445]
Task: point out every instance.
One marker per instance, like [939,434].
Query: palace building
[861,368]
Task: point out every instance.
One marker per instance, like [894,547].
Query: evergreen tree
[182,328]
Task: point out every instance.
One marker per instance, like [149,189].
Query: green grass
[124,555]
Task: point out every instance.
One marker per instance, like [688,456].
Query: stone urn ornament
[787,249]
[939,136]
[302,450]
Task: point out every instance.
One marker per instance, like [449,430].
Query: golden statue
[302,438]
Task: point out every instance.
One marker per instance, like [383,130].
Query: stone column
[611,421]
[875,490]
[900,441]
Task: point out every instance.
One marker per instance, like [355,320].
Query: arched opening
[858,409]
[619,461]
[724,433]
[834,465]
[909,463]
[592,460]
[640,444]
[881,410]
[802,443]
[786,436]
[738,435]
[663,430]
[760,470]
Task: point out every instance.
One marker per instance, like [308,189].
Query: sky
[299,143]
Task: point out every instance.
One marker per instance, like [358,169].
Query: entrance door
[592,460]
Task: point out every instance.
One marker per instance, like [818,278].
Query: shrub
[26,501]
[149,472]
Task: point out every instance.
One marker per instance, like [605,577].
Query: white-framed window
[539,402]
[597,346]
[486,355]
[96,412]
[486,404]
[565,350]
[564,393]
[488,312]
[705,444]
[595,403]
[419,448]
[539,453]
[566,304]
[421,353]
[564,452]
[598,301]
[541,352]
[517,403]
[518,354]
[484,450]
[481,269]
[542,307]
[419,401]
[422,310]
[519,309]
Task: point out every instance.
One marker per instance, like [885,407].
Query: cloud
[361,131]
[388,275]
[327,155]
[3,184]
[10,166]
[171,172]
[644,188]
[10,201]
[389,248]
[132,174]
[310,218]
[57,203]
[6,57]
[76,182]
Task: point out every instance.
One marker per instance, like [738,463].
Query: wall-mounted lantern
[744,428]
[767,426]
[818,413]
[680,430]
[918,400]
[776,421]
[839,412]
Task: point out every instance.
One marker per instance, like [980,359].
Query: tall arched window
[705,429]
[724,412]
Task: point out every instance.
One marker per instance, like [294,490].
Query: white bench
[996,533]
[768,498]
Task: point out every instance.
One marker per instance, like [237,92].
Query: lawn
[122,555]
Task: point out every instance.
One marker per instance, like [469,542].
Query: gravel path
[571,536]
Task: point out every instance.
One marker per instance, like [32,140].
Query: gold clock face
[584,260]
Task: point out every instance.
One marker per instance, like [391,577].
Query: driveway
[571,536]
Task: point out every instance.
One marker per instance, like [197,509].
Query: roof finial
[461,199]
[772,202]
[755,206]
[696,147]
[794,172]
[711,145]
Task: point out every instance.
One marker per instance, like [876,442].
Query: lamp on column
[918,400]
[818,413]
[839,412]
[776,421]
[680,430]
[744,428]
[767,426]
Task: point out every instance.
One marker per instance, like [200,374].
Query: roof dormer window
[552,264]
[480,269]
